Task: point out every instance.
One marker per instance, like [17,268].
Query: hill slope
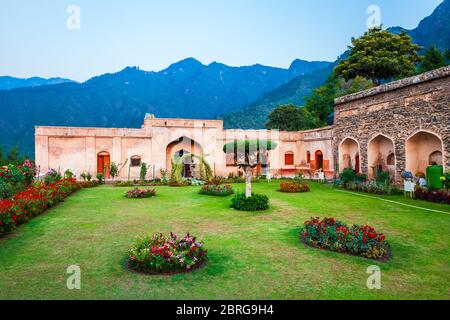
[7,82]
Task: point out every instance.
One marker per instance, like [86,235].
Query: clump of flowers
[140,193]
[334,235]
[166,254]
[294,187]
[217,190]
[27,204]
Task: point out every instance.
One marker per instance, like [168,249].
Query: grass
[251,255]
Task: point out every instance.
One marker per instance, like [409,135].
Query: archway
[184,149]
[349,155]
[103,163]
[318,157]
[422,150]
[381,156]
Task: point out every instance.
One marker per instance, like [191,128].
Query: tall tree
[379,56]
[248,154]
[433,59]
[321,103]
[291,118]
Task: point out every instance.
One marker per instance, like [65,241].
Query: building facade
[403,125]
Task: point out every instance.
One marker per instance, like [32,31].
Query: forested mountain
[7,82]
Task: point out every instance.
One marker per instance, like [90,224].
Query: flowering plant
[217,190]
[334,235]
[294,187]
[140,193]
[27,204]
[166,254]
[432,196]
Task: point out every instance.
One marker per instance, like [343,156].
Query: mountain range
[242,96]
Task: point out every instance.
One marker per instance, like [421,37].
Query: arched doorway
[103,163]
[381,156]
[349,155]
[180,149]
[318,160]
[422,150]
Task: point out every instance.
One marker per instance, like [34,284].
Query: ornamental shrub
[217,190]
[294,187]
[335,235]
[256,202]
[348,175]
[432,196]
[166,254]
[51,177]
[140,193]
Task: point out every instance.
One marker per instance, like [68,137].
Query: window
[289,158]
[135,161]
[308,157]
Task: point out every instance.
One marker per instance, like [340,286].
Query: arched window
[435,158]
[308,157]
[289,158]
[135,161]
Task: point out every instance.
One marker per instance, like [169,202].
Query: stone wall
[398,111]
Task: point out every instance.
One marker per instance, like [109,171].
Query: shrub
[171,254]
[143,172]
[348,175]
[99,177]
[446,181]
[334,235]
[52,176]
[113,170]
[383,177]
[256,202]
[140,193]
[217,190]
[86,176]
[68,174]
[432,196]
[293,187]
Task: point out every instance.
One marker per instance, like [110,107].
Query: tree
[447,55]
[113,170]
[1,156]
[248,154]
[291,118]
[433,59]
[321,103]
[380,55]
[14,156]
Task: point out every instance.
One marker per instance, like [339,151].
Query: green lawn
[251,255]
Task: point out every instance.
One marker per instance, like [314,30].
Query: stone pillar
[400,159]
[91,156]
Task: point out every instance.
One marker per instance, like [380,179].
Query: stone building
[403,125]
[397,127]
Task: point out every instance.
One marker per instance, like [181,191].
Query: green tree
[321,103]
[447,55]
[291,118]
[113,170]
[380,55]
[1,156]
[14,156]
[248,154]
[433,59]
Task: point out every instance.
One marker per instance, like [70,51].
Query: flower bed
[166,254]
[373,187]
[140,193]
[217,190]
[334,235]
[432,196]
[14,179]
[256,202]
[88,184]
[293,187]
[25,205]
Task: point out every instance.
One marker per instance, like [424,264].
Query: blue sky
[35,40]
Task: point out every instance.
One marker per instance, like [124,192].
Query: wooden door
[103,163]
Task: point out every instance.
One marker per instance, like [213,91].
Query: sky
[48,38]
